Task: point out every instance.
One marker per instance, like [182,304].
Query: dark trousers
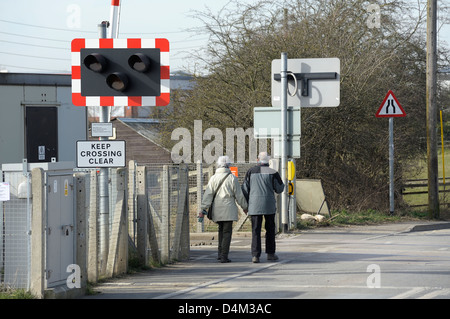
[225,230]
[256,234]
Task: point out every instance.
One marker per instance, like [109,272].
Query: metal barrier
[153,210]
[15,231]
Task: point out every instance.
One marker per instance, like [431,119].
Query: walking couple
[256,197]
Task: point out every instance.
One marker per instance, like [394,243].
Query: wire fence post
[92,262]
[81,226]
[165,215]
[38,225]
[200,225]
[142,214]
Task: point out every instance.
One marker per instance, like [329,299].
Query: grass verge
[9,293]
[369,217]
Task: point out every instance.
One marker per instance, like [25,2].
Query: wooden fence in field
[415,193]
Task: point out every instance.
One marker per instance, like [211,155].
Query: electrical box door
[60,229]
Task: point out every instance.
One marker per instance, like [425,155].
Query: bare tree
[346,147]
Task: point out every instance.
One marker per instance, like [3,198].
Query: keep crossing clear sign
[92,154]
[390,107]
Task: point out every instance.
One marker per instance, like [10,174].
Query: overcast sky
[35,35]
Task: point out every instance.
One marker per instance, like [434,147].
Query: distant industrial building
[39,123]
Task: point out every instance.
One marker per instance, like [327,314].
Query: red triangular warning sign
[390,107]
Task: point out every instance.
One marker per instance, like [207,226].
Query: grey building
[38,121]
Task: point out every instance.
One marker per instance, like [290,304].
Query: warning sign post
[93,154]
[390,108]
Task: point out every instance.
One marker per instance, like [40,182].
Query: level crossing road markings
[220,280]
[423,293]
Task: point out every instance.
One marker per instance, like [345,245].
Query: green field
[421,178]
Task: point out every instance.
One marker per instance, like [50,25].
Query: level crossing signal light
[113,72]
[105,75]
[118,80]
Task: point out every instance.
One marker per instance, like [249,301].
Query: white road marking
[213,282]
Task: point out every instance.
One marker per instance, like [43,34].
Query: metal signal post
[105,115]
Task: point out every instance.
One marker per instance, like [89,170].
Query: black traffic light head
[120,72]
[95,62]
[139,62]
[117,81]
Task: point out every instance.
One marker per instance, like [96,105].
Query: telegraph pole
[431,93]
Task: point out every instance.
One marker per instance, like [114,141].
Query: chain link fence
[15,231]
[198,177]
[173,194]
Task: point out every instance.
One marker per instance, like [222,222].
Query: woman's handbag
[209,215]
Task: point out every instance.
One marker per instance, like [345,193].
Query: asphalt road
[394,261]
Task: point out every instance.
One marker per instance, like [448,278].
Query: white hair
[223,161]
[264,158]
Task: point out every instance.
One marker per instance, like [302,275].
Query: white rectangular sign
[101,129]
[267,122]
[4,192]
[293,147]
[92,154]
[313,85]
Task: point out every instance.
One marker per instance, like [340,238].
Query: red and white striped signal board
[121,100]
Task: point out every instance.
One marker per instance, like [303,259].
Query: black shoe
[272,257]
[224,260]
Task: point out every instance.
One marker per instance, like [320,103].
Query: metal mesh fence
[93,205]
[15,231]
[166,185]
[198,177]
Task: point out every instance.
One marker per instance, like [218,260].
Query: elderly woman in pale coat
[225,210]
